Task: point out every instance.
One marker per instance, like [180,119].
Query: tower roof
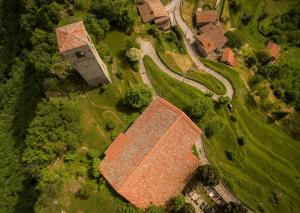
[71,36]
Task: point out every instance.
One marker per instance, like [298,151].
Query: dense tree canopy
[138,96]
[198,108]
[208,175]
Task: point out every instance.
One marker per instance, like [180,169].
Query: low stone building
[153,11]
[274,50]
[153,160]
[75,44]
[228,57]
[203,17]
[210,38]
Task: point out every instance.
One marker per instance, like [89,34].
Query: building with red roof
[153,11]
[75,44]
[228,57]
[153,161]
[274,50]
[204,17]
[211,38]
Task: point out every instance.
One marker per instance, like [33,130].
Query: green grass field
[268,163]
[270,160]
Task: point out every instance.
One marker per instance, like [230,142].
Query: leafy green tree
[233,207]
[213,126]
[208,175]
[251,61]
[133,54]
[263,56]
[138,96]
[87,190]
[187,208]
[223,100]
[199,107]
[235,39]
[177,203]
[54,131]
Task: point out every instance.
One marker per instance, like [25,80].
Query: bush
[177,203]
[233,207]
[110,125]
[223,100]
[187,208]
[251,61]
[208,175]
[278,115]
[86,190]
[234,6]
[93,153]
[256,79]
[138,96]
[133,54]
[135,66]
[198,108]
[70,157]
[263,56]
[246,18]
[132,43]
[276,197]
[235,40]
[213,126]
[233,117]
[241,140]
[230,155]
[113,135]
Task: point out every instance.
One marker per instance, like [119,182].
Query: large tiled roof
[228,57]
[206,16]
[152,9]
[153,160]
[273,49]
[215,32]
[206,42]
[71,36]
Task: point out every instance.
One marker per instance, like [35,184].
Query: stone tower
[75,44]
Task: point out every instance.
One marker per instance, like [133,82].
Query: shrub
[187,208]
[233,207]
[198,108]
[213,126]
[110,125]
[132,43]
[276,197]
[70,157]
[86,190]
[113,136]
[81,5]
[256,79]
[223,100]
[208,175]
[133,54]
[246,18]
[233,117]
[234,6]
[135,66]
[230,155]
[138,96]
[235,39]
[278,115]
[251,61]
[241,140]
[177,203]
[263,56]
[93,153]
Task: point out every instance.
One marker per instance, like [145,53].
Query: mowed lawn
[268,163]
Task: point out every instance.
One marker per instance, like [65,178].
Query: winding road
[174,10]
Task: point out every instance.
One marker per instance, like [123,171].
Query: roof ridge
[151,151]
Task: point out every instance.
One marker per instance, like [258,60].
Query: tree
[241,140]
[251,61]
[133,54]
[199,107]
[208,175]
[233,207]
[187,208]
[223,100]
[138,96]
[235,39]
[263,56]
[86,190]
[177,203]
[213,126]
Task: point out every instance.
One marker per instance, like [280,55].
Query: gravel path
[148,49]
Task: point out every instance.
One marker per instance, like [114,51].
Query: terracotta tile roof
[152,9]
[153,160]
[228,57]
[273,49]
[206,42]
[206,16]
[71,36]
[215,33]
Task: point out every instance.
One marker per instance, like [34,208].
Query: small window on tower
[80,54]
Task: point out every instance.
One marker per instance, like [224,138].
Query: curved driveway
[174,9]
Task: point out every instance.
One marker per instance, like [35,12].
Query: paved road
[148,49]
[174,9]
